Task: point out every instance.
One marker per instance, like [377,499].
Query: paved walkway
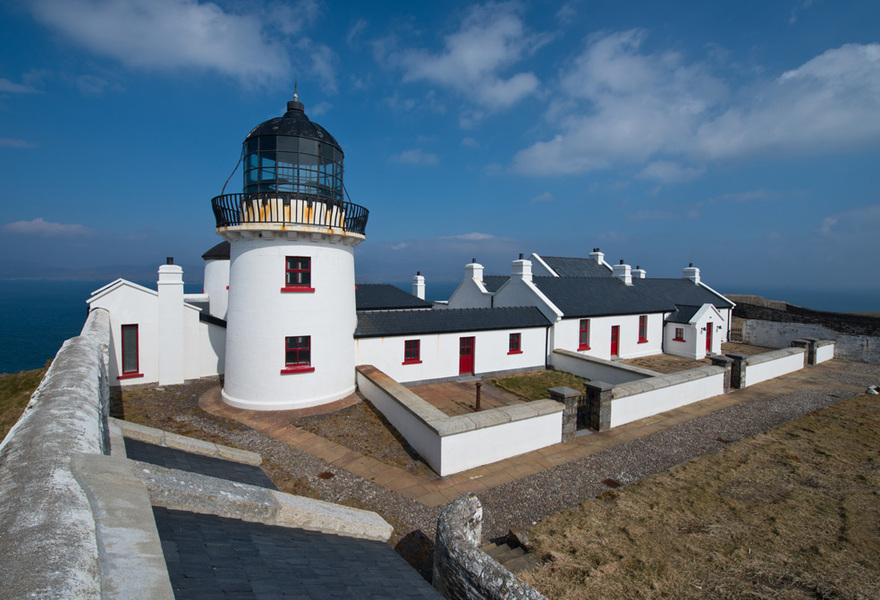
[455,398]
[433,490]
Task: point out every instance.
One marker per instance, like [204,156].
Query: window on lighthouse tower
[298,274]
[297,354]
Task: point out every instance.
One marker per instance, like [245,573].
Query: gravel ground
[516,504]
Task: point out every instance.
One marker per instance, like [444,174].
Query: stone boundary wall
[636,400]
[775,334]
[464,572]
[49,543]
[756,308]
[598,369]
[447,443]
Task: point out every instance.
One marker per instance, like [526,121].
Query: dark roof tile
[413,322]
[384,296]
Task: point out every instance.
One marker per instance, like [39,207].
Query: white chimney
[522,269]
[171,324]
[622,272]
[693,273]
[418,285]
[474,271]
[639,273]
[598,256]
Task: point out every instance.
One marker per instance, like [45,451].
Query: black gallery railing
[284,208]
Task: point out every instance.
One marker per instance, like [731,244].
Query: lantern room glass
[292,164]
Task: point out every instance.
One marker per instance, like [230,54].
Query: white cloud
[469,142]
[666,171]
[352,38]
[91,85]
[857,222]
[491,38]
[10,87]
[540,198]
[16,143]
[831,102]
[415,157]
[166,35]
[322,62]
[617,104]
[471,237]
[44,228]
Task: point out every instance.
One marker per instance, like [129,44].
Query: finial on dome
[295,95]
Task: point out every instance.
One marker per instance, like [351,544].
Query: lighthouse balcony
[284,210]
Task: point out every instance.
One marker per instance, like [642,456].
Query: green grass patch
[534,385]
[15,392]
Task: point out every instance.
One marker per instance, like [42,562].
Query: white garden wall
[761,367]
[640,399]
[453,444]
[596,369]
[824,351]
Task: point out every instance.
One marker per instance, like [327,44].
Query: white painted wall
[470,294]
[260,316]
[568,330]
[596,369]
[824,352]
[440,353]
[772,334]
[217,286]
[486,445]
[787,360]
[517,291]
[212,349]
[687,348]
[173,360]
[641,405]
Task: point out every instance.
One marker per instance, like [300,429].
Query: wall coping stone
[151,435]
[630,388]
[757,359]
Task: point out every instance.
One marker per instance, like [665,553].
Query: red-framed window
[679,334]
[298,354]
[643,329]
[514,344]
[297,274]
[411,352]
[130,355]
[584,335]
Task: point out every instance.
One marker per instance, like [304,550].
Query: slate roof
[413,322]
[216,557]
[576,267]
[218,252]
[384,296]
[599,296]
[493,283]
[682,314]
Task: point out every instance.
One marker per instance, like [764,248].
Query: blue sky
[741,136]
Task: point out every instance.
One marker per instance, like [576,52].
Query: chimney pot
[169,260]
[520,255]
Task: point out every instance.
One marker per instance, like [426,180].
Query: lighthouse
[291,302]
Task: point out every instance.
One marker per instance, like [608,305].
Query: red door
[466,356]
[709,336]
[615,340]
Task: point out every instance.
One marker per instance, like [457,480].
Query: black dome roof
[294,123]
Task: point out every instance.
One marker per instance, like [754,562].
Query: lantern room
[292,154]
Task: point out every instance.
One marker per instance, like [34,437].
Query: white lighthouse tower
[291,304]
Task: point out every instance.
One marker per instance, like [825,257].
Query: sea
[37,316]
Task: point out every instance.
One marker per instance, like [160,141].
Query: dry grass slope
[534,385]
[793,514]
[15,393]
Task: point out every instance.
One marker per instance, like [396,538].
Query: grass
[534,385]
[793,513]
[15,392]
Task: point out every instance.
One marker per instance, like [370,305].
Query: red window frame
[514,344]
[679,334]
[297,274]
[643,329]
[584,334]
[412,352]
[127,331]
[298,354]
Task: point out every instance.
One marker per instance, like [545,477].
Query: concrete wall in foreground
[590,367]
[49,544]
[464,572]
